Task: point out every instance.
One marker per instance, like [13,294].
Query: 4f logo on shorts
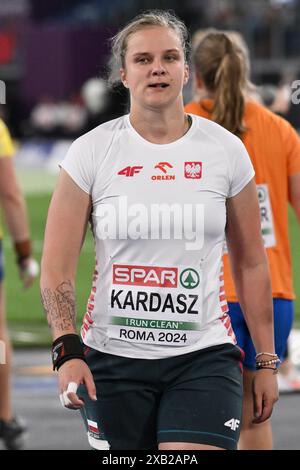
[193,170]
[130,170]
[233,424]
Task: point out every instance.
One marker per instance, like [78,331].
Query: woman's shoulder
[104,131]
[215,132]
[92,147]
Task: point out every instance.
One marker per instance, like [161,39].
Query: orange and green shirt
[6,147]
[274,148]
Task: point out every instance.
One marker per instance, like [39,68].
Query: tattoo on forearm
[60,306]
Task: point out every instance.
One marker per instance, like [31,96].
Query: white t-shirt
[158,220]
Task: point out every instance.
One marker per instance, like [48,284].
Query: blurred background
[53,61]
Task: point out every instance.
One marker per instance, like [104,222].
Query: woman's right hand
[70,375]
[265,394]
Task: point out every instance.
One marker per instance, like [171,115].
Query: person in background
[221,68]
[12,429]
[278,100]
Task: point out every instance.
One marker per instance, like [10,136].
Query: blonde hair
[221,60]
[145,20]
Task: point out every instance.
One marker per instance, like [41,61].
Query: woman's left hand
[265,394]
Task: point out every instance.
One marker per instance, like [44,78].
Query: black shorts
[196,397]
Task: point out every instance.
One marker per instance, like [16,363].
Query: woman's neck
[157,126]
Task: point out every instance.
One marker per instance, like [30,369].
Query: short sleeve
[241,168]
[292,146]
[79,164]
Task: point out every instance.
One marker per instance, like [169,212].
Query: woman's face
[155,69]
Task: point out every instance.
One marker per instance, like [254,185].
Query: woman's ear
[123,77]
[186,74]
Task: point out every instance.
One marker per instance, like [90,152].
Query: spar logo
[152,276]
[193,170]
[155,276]
[189,278]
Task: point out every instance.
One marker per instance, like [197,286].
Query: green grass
[27,323]
[25,316]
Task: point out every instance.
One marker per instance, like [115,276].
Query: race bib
[155,304]
[266,216]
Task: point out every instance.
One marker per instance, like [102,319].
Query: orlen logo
[154,276]
[130,170]
[193,170]
[164,167]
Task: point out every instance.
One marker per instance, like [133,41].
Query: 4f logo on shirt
[233,424]
[164,168]
[130,170]
[193,170]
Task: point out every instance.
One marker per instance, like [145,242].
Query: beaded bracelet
[267,363]
[265,354]
[270,368]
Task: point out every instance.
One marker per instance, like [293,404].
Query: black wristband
[66,347]
[23,250]
[270,368]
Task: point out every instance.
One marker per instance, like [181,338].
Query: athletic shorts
[283,321]
[195,397]
[1,262]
